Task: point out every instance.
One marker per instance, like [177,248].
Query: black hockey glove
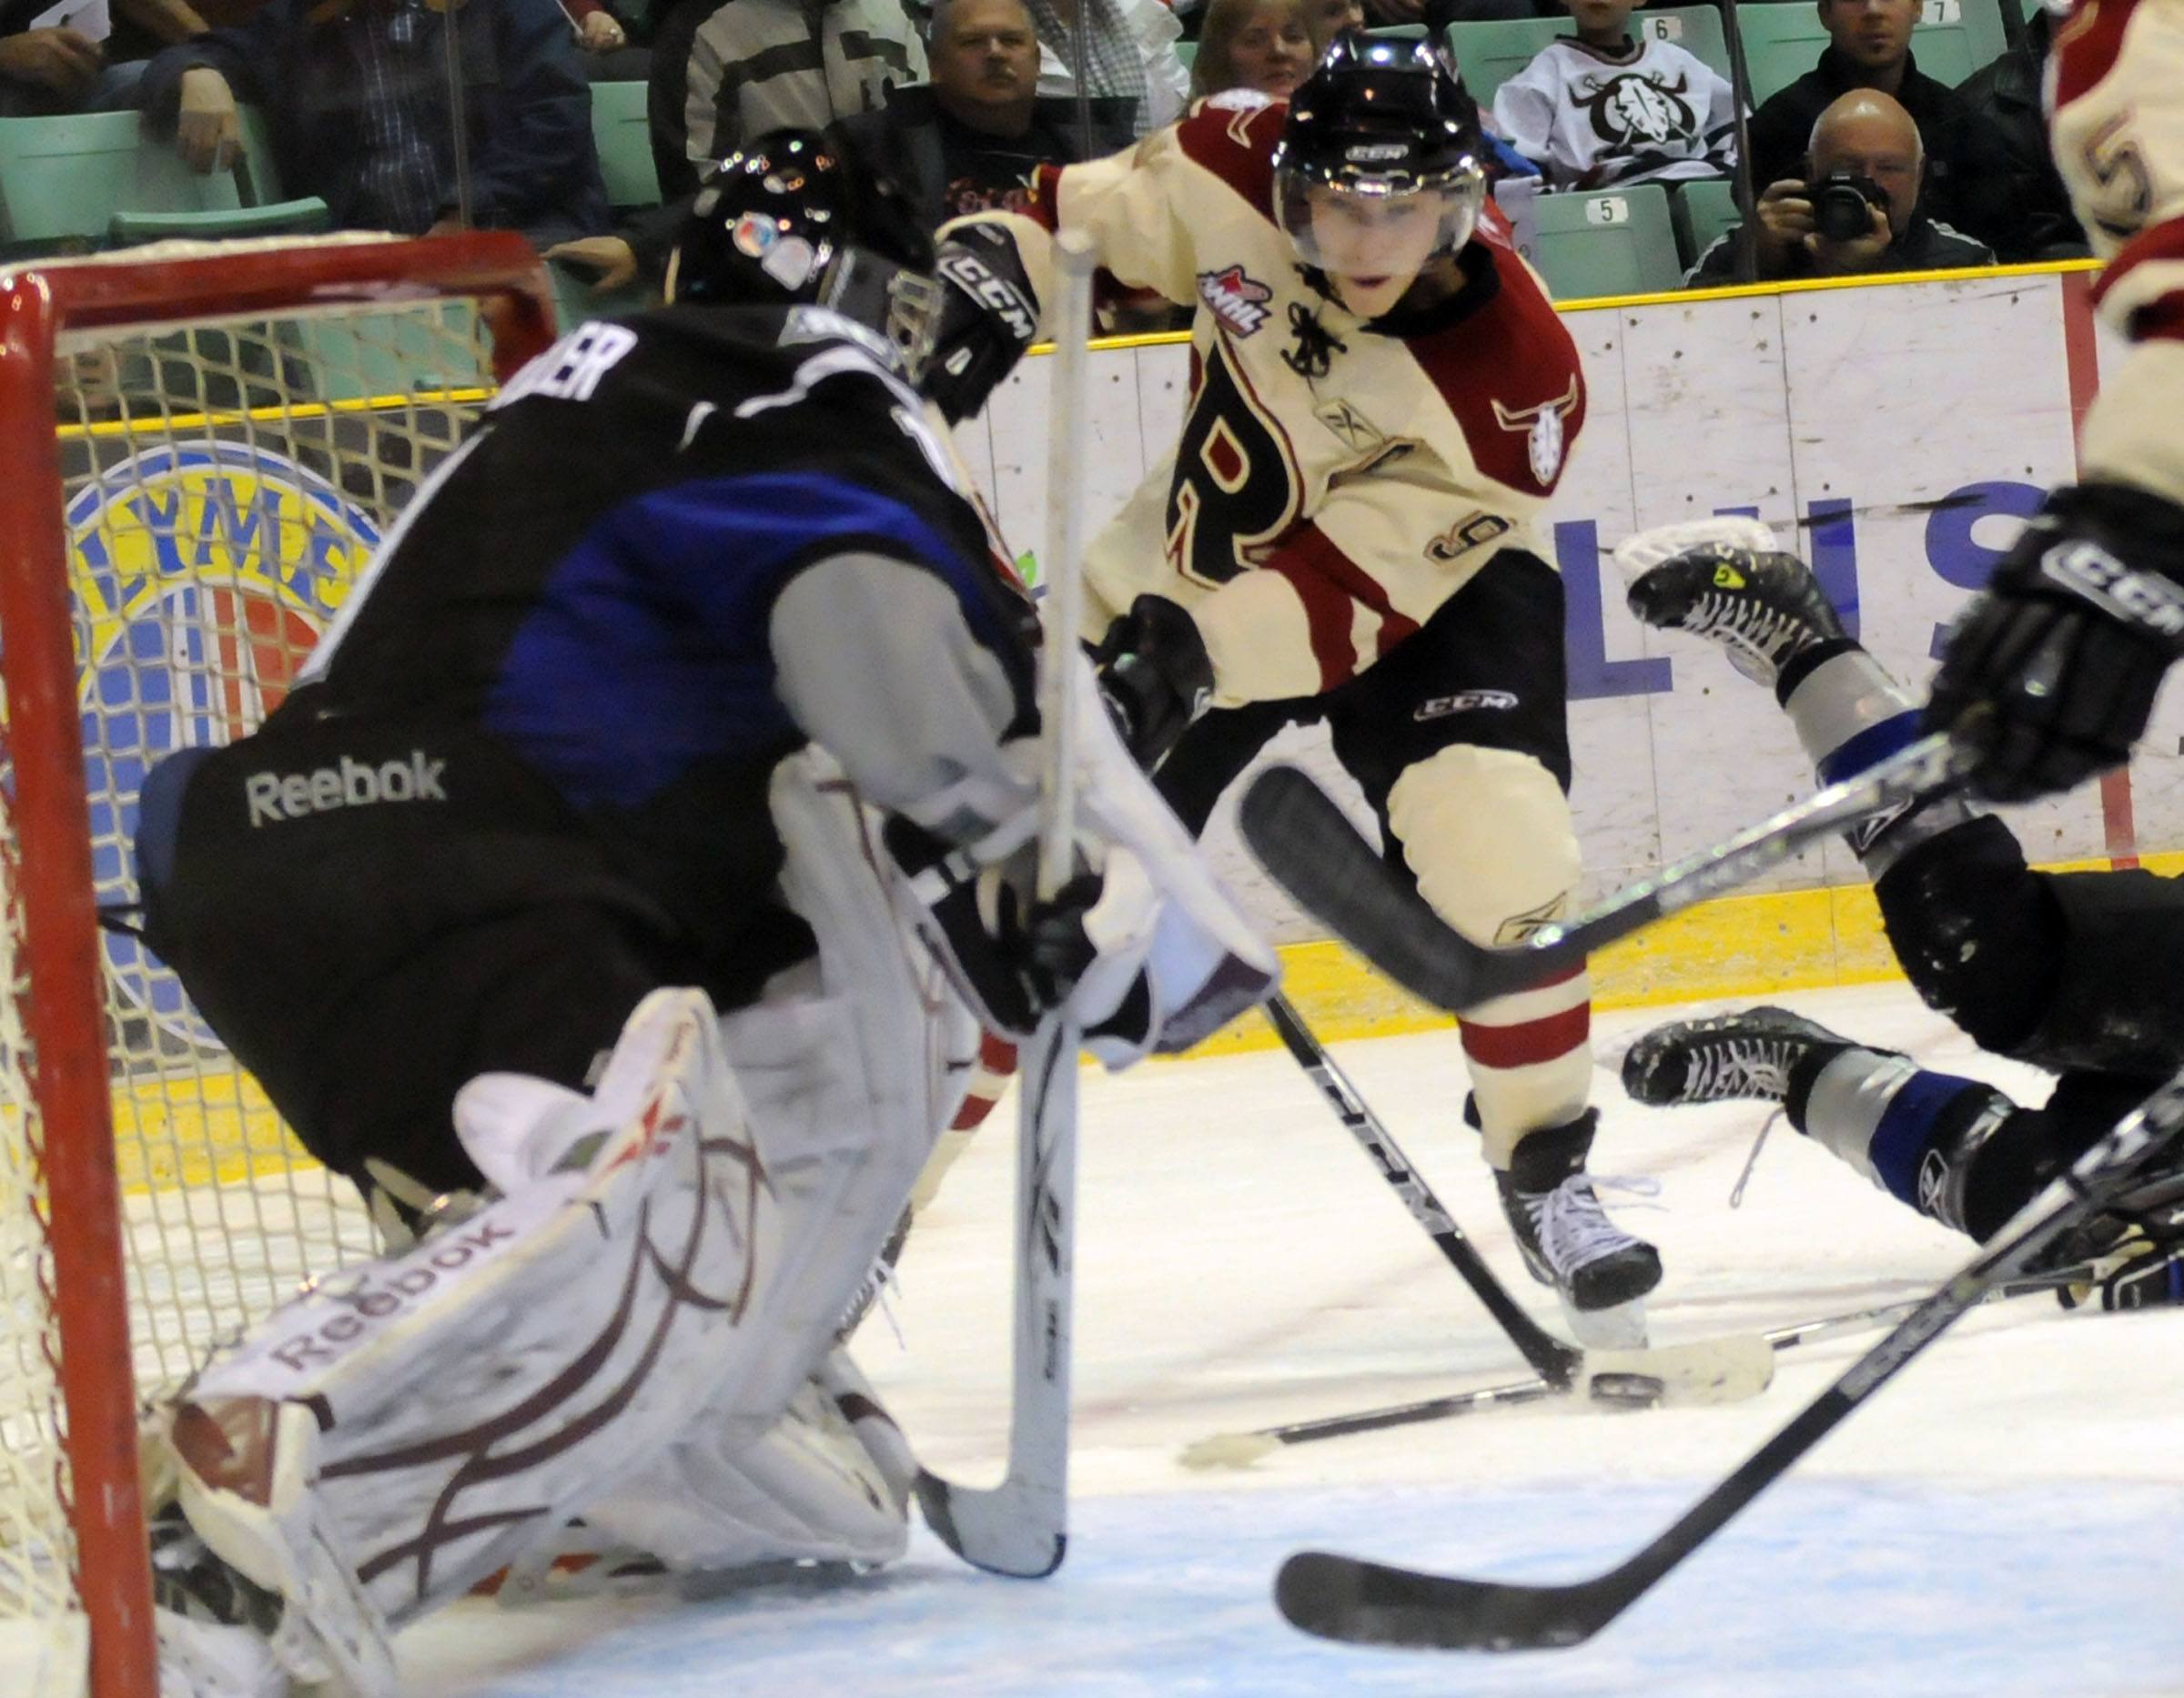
[1016,957]
[2050,675]
[988,317]
[1154,676]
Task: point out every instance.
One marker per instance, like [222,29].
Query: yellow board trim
[1733,947]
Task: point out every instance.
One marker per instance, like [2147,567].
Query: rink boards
[1900,431]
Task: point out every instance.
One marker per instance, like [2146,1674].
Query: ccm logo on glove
[277,796]
[2141,599]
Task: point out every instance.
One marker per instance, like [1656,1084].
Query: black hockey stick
[1308,846]
[1363,1602]
[1241,1450]
[1713,1370]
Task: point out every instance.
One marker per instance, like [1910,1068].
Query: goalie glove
[989,314]
[1154,676]
[1016,956]
[2050,675]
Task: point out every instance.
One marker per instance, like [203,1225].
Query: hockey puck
[1626,1390]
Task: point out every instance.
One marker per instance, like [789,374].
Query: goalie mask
[793,218]
[1379,171]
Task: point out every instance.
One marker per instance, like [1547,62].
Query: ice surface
[2003,1520]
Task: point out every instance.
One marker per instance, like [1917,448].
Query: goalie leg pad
[830,1481]
[389,1439]
[1488,834]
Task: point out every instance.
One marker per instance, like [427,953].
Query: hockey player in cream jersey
[1382,400]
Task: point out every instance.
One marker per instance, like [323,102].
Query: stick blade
[1357,1603]
[1726,1370]
[1310,849]
[1013,1529]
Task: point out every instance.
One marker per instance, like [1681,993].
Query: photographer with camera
[1856,209]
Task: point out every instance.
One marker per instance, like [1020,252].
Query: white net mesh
[223,484]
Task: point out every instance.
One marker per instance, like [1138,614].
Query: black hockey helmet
[796,219]
[1380,119]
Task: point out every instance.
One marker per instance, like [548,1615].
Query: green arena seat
[1618,241]
[1488,53]
[624,140]
[1702,211]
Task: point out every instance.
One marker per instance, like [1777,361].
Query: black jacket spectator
[527,107]
[1966,162]
[2006,94]
[950,168]
[1924,246]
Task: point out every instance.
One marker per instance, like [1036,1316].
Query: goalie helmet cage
[202,444]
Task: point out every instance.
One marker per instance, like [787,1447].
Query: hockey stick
[1308,846]
[1021,1526]
[1241,1450]
[1363,1602]
[1714,1371]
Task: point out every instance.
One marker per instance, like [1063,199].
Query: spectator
[722,74]
[2037,222]
[1262,45]
[1870,47]
[974,138]
[65,67]
[357,98]
[1131,55]
[1600,108]
[1865,144]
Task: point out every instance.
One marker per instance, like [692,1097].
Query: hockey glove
[1015,957]
[2049,676]
[989,314]
[1154,676]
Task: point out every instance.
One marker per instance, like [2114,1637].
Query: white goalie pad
[1647,549]
[398,1433]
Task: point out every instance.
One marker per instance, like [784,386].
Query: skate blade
[1619,1326]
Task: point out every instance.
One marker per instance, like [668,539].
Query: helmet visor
[1362,229]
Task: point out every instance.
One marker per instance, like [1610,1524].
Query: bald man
[1864,139]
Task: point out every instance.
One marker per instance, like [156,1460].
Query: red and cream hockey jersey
[2116,91]
[1333,484]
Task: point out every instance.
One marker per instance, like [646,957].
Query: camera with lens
[1842,205]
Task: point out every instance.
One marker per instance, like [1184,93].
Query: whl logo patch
[1237,300]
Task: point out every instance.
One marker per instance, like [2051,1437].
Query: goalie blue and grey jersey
[607,574]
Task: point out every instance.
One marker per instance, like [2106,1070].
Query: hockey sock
[1954,1149]
[1849,714]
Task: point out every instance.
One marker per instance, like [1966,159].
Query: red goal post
[190,433]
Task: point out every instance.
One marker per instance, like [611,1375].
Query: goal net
[205,443]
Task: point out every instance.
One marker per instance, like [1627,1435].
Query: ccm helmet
[794,219]
[1380,119]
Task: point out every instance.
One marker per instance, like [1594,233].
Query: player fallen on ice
[2075,972]
[616,900]
[1382,403]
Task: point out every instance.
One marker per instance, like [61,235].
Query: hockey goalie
[617,902]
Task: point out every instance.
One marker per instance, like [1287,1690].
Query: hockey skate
[1764,608]
[1600,1272]
[1743,1057]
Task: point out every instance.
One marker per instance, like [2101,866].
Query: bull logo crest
[1635,107]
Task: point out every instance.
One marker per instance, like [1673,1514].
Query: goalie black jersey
[591,575]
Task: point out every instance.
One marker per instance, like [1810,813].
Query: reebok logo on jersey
[1237,300]
[277,796]
[2143,599]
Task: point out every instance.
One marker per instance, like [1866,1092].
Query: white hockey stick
[1021,1526]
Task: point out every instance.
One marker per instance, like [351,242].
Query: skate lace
[1572,1226]
[1762,634]
[1739,1066]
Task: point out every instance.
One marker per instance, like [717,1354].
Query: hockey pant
[1458,739]
[660,1273]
